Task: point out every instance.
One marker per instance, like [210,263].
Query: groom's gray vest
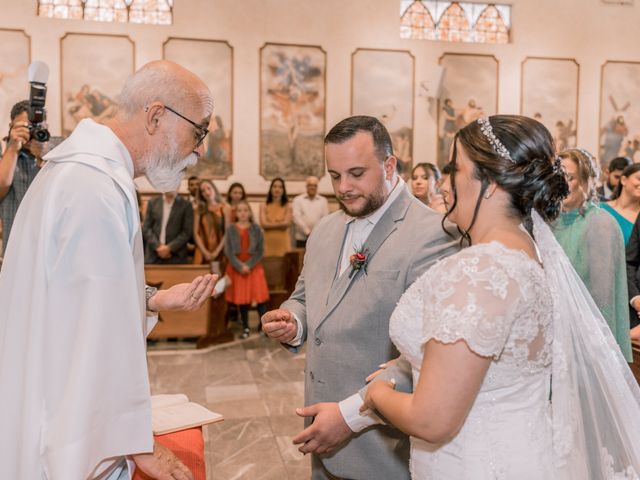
[346,321]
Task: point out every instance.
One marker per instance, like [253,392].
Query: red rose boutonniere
[359,261]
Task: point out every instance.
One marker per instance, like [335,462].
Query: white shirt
[307,212]
[166,211]
[358,230]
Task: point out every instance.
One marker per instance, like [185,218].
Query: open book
[172,413]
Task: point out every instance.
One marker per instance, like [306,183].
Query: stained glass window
[454,26]
[157,12]
[490,27]
[455,21]
[417,23]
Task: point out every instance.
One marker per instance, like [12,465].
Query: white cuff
[297,340]
[350,409]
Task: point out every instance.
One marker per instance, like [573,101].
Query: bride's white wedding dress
[498,301]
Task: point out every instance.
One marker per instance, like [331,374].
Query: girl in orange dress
[235,194]
[243,246]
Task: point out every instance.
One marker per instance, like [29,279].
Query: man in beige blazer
[342,302]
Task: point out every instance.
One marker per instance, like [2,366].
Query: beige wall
[587,30]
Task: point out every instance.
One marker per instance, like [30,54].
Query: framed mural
[292,111]
[619,111]
[212,61]
[15,51]
[382,85]
[93,69]
[469,90]
[549,93]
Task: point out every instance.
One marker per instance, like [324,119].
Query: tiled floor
[256,385]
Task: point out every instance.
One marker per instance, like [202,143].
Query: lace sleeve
[473,297]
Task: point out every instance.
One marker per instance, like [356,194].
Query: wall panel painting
[550,94]
[212,61]
[469,90]
[93,69]
[15,52]
[382,85]
[292,111]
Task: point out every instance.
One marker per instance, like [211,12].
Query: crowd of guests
[209,229]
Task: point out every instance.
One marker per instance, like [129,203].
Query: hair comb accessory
[487,131]
[557,165]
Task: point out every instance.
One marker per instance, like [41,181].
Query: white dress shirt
[166,211]
[307,212]
[358,230]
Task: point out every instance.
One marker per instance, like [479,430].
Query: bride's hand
[375,389]
[382,368]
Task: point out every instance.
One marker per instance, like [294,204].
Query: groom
[357,264]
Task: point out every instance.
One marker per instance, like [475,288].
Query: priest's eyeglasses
[200,133]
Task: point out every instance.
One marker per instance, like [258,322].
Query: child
[243,247]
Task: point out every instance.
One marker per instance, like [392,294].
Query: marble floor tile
[256,385]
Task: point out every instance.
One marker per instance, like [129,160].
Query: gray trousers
[319,472]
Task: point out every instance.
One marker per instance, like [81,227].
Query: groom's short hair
[347,128]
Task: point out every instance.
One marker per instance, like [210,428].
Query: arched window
[454,25]
[490,27]
[156,12]
[417,23]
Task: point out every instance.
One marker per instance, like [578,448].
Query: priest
[73,305]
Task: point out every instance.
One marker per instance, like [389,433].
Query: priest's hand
[280,325]
[184,296]
[162,464]
[328,430]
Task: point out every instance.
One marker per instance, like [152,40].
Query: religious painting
[15,51]
[550,95]
[382,85]
[93,69]
[212,61]
[292,111]
[619,111]
[469,91]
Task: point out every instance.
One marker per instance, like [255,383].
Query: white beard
[163,171]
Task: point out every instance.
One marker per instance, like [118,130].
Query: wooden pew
[275,271]
[207,323]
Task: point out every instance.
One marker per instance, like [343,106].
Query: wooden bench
[206,323]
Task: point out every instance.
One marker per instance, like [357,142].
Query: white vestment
[74,387]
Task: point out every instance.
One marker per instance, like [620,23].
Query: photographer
[19,165]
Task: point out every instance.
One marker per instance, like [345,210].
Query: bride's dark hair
[532,178]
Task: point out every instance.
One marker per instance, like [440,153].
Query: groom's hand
[280,325]
[328,430]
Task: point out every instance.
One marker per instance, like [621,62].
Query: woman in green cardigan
[594,244]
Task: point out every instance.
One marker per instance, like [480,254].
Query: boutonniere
[359,261]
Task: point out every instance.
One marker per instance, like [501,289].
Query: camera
[38,75]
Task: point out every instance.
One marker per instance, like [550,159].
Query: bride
[516,374]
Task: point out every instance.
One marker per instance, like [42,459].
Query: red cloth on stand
[188,446]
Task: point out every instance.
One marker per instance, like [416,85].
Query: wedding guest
[193,185]
[235,195]
[625,204]
[633,280]
[276,219]
[209,224]
[244,245]
[308,208]
[612,177]
[167,228]
[424,185]
[594,244]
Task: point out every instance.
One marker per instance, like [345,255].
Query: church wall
[587,30]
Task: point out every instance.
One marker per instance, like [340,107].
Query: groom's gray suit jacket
[346,321]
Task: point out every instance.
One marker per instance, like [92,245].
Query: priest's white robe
[74,388]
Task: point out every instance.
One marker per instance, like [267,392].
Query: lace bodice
[497,300]
[492,297]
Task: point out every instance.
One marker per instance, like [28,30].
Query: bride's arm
[450,380]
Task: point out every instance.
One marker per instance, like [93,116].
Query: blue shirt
[625,225]
[26,171]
